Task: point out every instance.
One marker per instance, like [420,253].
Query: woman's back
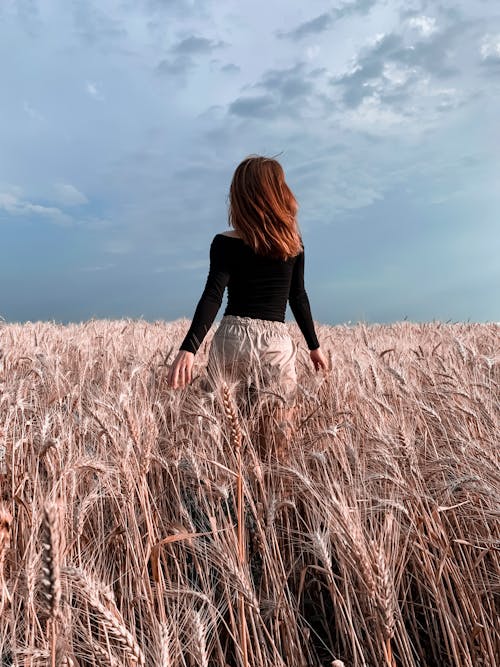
[258,287]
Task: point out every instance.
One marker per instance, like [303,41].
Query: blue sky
[123,121]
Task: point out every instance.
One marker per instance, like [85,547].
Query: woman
[262,263]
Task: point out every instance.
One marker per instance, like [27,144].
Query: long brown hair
[263,209]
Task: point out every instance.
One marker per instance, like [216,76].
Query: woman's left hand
[180,372]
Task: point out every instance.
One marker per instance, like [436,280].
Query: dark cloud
[194,45]
[491,59]
[324,21]
[253,107]
[175,66]
[312,27]
[288,84]
[369,67]
[286,92]
[184,53]
[230,68]
[435,55]
[490,62]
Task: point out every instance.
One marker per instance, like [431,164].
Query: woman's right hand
[318,359]
[180,373]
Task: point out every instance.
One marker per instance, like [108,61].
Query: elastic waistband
[255,323]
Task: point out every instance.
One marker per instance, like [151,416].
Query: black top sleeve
[211,299]
[299,303]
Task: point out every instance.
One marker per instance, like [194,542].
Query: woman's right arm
[211,299]
[180,372]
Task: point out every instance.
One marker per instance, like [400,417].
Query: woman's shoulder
[225,239]
[223,243]
[229,234]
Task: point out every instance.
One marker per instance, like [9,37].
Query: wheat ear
[5,524]
[232,417]
[50,559]
[116,627]
[51,582]
[385,599]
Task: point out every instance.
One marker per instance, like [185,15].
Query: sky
[122,121]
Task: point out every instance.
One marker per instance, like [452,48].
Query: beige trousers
[257,357]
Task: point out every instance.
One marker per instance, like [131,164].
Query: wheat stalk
[236,442]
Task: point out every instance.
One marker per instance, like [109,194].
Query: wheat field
[140,525]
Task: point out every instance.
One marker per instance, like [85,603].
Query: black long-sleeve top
[257,287]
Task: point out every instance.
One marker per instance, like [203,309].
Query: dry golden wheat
[375,542]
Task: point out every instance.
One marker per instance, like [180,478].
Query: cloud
[184,52]
[426,25]
[392,85]
[287,92]
[253,107]
[230,68]
[95,27]
[325,21]
[68,195]
[92,89]
[29,16]
[356,7]
[32,112]
[194,45]
[312,27]
[15,205]
[179,7]
[420,60]
[490,51]
[375,116]
[312,52]
[289,83]
[176,66]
